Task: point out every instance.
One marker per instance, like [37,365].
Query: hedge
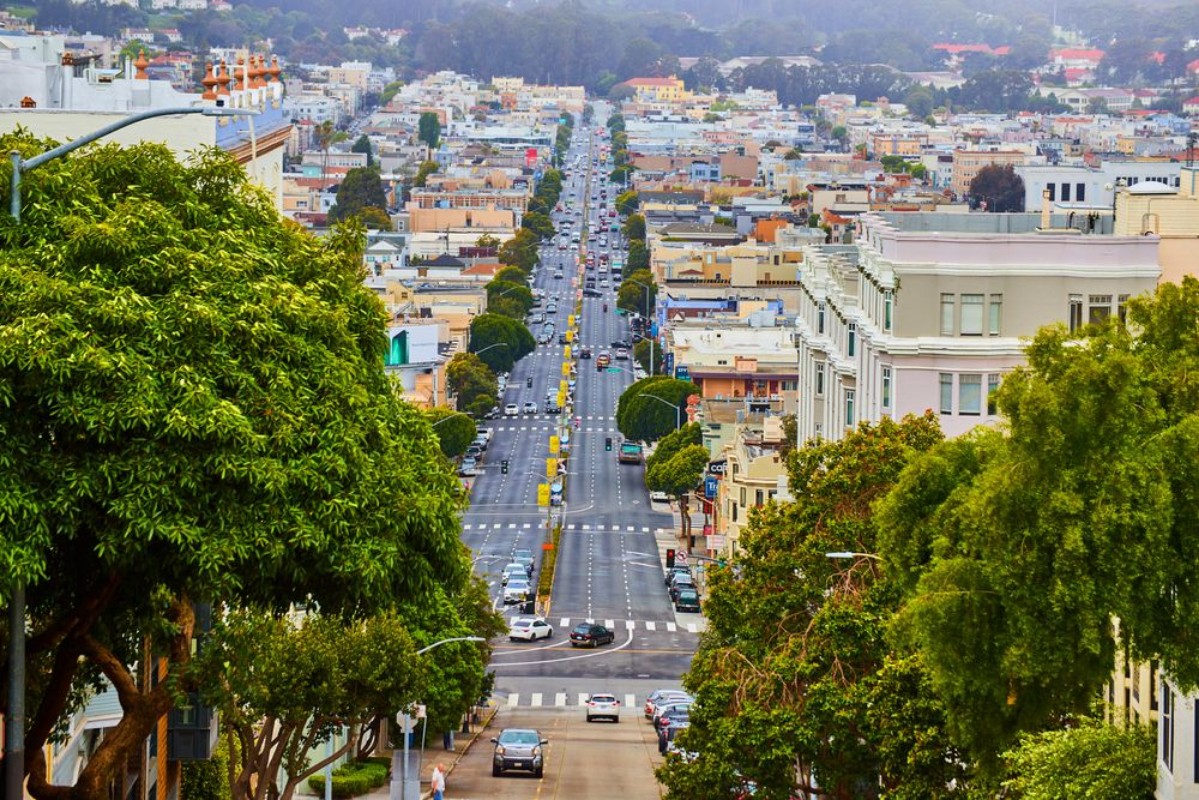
[545,583]
[352,779]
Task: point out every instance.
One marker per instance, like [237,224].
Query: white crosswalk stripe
[630,701]
[535,699]
[671,627]
[560,699]
[563,700]
[650,625]
[583,698]
[630,624]
[513,699]
[608,623]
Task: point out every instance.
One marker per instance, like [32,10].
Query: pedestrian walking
[438,782]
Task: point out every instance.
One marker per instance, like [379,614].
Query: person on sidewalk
[438,782]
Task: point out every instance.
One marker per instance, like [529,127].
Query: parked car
[661,697]
[677,569]
[517,590]
[671,711]
[603,706]
[513,569]
[468,467]
[585,352]
[680,583]
[622,354]
[523,555]
[530,629]
[670,728]
[588,634]
[518,748]
[686,600]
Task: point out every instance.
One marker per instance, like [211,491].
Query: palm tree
[326,136]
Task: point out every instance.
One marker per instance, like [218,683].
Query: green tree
[423,172]
[164,462]
[362,188]
[454,430]
[919,171]
[794,154]
[646,419]
[637,259]
[539,224]
[492,329]
[326,135]
[999,187]
[1087,495]
[634,227]
[390,91]
[840,134]
[798,683]
[920,102]
[1092,759]
[627,202]
[429,129]
[374,219]
[363,145]
[623,173]
[515,299]
[631,296]
[641,354]
[512,275]
[486,240]
[474,384]
[676,467]
[521,250]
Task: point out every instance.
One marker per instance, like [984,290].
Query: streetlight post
[648,322]
[14,729]
[405,720]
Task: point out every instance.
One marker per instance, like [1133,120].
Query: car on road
[666,714]
[512,410]
[512,569]
[475,452]
[661,696]
[680,583]
[517,590]
[677,569]
[588,634]
[592,292]
[686,600]
[523,555]
[468,467]
[480,441]
[603,360]
[529,629]
[622,354]
[621,344]
[518,748]
[603,706]
[584,352]
[670,728]
[530,408]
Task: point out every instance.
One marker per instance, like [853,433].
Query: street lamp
[14,738]
[678,420]
[651,332]
[847,554]
[405,719]
[449,417]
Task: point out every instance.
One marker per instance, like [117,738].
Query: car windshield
[519,737]
[582,629]
[517,583]
[687,594]
[603,698]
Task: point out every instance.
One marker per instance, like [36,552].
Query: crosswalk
[562,700]
[570,526]
[618,625]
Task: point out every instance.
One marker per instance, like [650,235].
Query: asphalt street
[609,569]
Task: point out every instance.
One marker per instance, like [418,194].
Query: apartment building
[928,311]
[967,163]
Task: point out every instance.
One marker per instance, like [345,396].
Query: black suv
[588,634]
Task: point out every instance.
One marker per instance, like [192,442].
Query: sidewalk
[435,753]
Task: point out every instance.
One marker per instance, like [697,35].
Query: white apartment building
[928,311]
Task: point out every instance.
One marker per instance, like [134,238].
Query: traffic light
[504,466]
[529,383]
[608,443]
[670,558]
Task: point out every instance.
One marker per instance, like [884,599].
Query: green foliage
[645,419]
[999,187]
[634,227]
[1016,549]
[641,354]
[1093,760]
[217,376]
[539,224]
[351,779]
[549,560]
[361,189]
[429,129]
[794,679]
[510,299]
[627,202]
[514,275]
[490,329]
[423,172]
[470,379]
[680,473]
[363,145]
[455,431]
[673,442]
[486,240]
[631,296]
[209,779]
[637,259]
[520,250]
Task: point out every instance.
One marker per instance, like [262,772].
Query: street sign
[680,557]
[551,467]
[716,541]
[543,494]
[710,486]
[555,445]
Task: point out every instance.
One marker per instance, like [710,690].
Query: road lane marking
[513,699]
[560,699]
[582,698]
[630,701]
[592,654]
[671,627]
[535,699]
[650,626]
[630,624]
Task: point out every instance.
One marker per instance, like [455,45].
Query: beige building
[754,474]
[967,163]
[1151,208]
[496,221]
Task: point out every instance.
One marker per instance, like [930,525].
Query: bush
[352,779]
[545,583]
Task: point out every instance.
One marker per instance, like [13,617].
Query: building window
[850,399]
[972,315]
[1153,689]
[742,495]
[947,315]
[946,393]
[888,307]
[852,345]
[1122,308]
[1168,727]
[1052,192]
[820,380]
[1080,192]
[759,497]
[1099,309]
[1075,318]
[996,314]
[820,317]
[992,388]
[1065,193]
[886,387]
[970,390]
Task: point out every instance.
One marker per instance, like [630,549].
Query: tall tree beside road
[326,135]
[631,296]
[634,227]
[627,202]
[539,224]
[512,275]
[1092,758]
[1088,495]
[637,259]
[998,187]
[677,466]
[491,329]
[644,419]
[164,462]
[510,299]
[473,382]
[429,130]
[363,145]
[423,172]
[454,431]
[795,680]
[520,250]
[362,188]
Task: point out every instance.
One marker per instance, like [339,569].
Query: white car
[512,410]
[514,570]
[517,591]
[529,629]
[603,706]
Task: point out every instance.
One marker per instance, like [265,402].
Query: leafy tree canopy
[423,172]
[195,391]
[1090,759]
[487,330]
[429,129]
[650,418]
[631,295]
[634,227]
[362,188]
[538,223]
[998,188]
[472,381]
[363,145]
[454,430]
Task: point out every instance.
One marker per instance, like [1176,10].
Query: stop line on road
[571,526]
[560,700]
